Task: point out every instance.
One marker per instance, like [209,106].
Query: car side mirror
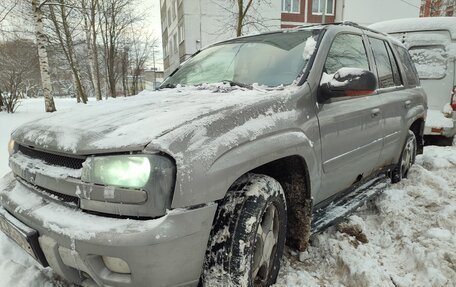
[347,82]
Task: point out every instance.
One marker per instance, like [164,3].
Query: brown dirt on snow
[355,231]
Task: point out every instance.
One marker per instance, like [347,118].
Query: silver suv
[253,142]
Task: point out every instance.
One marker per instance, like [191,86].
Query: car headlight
[11,146]
[129,171]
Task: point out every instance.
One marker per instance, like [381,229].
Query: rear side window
[409,68]
[382,60]
[347,51]
[396,73]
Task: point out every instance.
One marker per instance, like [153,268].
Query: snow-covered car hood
[129,124]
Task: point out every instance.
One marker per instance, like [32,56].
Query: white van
[432,45]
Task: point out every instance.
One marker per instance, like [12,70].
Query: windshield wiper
[167,86]
[239,84]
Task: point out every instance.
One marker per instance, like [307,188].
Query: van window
[431,62]
[407,65]
[382,60]
[347,51]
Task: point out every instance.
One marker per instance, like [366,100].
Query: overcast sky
[153,20]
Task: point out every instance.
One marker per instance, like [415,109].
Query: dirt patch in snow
[409,232]
[353,231]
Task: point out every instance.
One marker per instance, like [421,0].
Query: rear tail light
[453,99]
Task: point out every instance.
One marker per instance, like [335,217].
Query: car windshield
[431,61]
[270,59]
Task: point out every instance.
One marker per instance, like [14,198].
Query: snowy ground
[406,237]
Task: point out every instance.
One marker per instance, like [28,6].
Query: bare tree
[243,15]
[43,56]
[60,13]
[114,19]
[6,8]
[19,70]
[90,8]
[141,49]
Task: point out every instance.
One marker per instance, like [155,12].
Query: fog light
[116,265]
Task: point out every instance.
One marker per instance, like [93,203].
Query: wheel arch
[293,174]
[417,127]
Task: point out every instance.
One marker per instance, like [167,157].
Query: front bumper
[168,251]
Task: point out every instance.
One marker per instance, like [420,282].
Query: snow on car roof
[418,24]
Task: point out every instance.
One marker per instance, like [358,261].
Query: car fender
[234,163]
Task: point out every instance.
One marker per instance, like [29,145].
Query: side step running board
[337,210]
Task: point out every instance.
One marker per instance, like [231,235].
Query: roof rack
[347,23]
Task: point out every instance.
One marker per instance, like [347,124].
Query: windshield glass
[270,59]
[431,61]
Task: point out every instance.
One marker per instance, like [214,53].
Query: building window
[176,44]
[291,6]
[318,6]
[165,51]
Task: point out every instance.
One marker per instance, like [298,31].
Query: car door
[396,99]
[351,128]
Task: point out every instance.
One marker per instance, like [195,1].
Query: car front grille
[52,159]
[62,197]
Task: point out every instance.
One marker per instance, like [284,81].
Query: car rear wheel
[248,236]
[406,160]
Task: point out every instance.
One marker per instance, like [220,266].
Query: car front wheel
[248,236]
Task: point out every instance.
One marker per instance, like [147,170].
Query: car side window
[347,51]
[410,71]
[382,60]
[396,73]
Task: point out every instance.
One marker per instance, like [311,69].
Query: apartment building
[436,8]
[299,12]
[189,25]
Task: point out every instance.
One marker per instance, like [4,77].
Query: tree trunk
[43,56]
[239,18]
[91,36]
[66,42]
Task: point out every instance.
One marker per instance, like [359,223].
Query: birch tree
[43,56]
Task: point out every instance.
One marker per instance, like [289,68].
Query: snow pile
[403,238]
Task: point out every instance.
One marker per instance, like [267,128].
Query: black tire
[407,159]
[234,245]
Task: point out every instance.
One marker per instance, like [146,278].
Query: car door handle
[407,104]
[375,112]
